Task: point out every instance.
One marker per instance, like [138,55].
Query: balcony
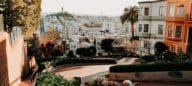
[175,18]
[152,18]
[149,35]
[188,17]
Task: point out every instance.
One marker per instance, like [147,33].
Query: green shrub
[64,61]
[182,57]
[168,56]
[51,79]
[152,67]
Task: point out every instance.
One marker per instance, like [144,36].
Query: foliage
[51,79]
[70,54]
[130,15]
[182,57]
[56,52]
[52,35]
[173,66]
[13,16]
[160,47]
[107,45]
[86,52]
[167,56]
[148,58]
[25,14]
[73,61]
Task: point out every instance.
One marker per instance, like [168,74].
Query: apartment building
[178,34]
[151,24]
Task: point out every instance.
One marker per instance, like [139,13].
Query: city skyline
[88,7]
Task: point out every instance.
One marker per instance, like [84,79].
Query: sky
[88,7]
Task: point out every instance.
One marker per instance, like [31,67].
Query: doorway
[190,41]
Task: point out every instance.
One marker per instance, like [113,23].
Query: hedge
[152,67]
[65,61]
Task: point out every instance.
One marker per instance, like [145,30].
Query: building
[178,34]
[151,24]
[12,55]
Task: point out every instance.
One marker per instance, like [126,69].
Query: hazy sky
[92,7]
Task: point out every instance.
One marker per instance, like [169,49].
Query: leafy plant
[51,79]
[86,52]
[168,56]
[183,57]
[107,45]
[130,15]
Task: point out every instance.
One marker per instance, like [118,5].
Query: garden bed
[165,72]
[187,66]
[91,61]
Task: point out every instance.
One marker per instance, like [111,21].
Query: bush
[51,79]
[86,52]
[148,58]
[160,47]
[107,45]
[70,54]
[152,67]
[182,57]
[64,61]
[167,56]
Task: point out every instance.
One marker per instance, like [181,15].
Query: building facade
[178,34]
[151,24]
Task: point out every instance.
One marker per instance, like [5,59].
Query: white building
[109,26]
[151,24]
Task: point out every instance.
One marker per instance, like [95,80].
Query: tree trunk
[132,29]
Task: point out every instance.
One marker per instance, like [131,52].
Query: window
[173,48]
[140,27]
[160,29]
[146,44]
[146,11]
[171,9]
[178,31]
[140,11]
[179,49]
[161,11]
[146,27]
[180,10]
[170,31]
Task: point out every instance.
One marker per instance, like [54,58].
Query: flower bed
[152,67]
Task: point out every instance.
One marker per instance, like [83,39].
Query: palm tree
[130,15]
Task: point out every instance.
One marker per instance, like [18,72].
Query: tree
[130,15]
[53,35]
[13,16]
[22,13]
[107,45]
[70,54]
[86,52]
[160,47]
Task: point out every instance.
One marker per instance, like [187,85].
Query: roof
[151,1]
